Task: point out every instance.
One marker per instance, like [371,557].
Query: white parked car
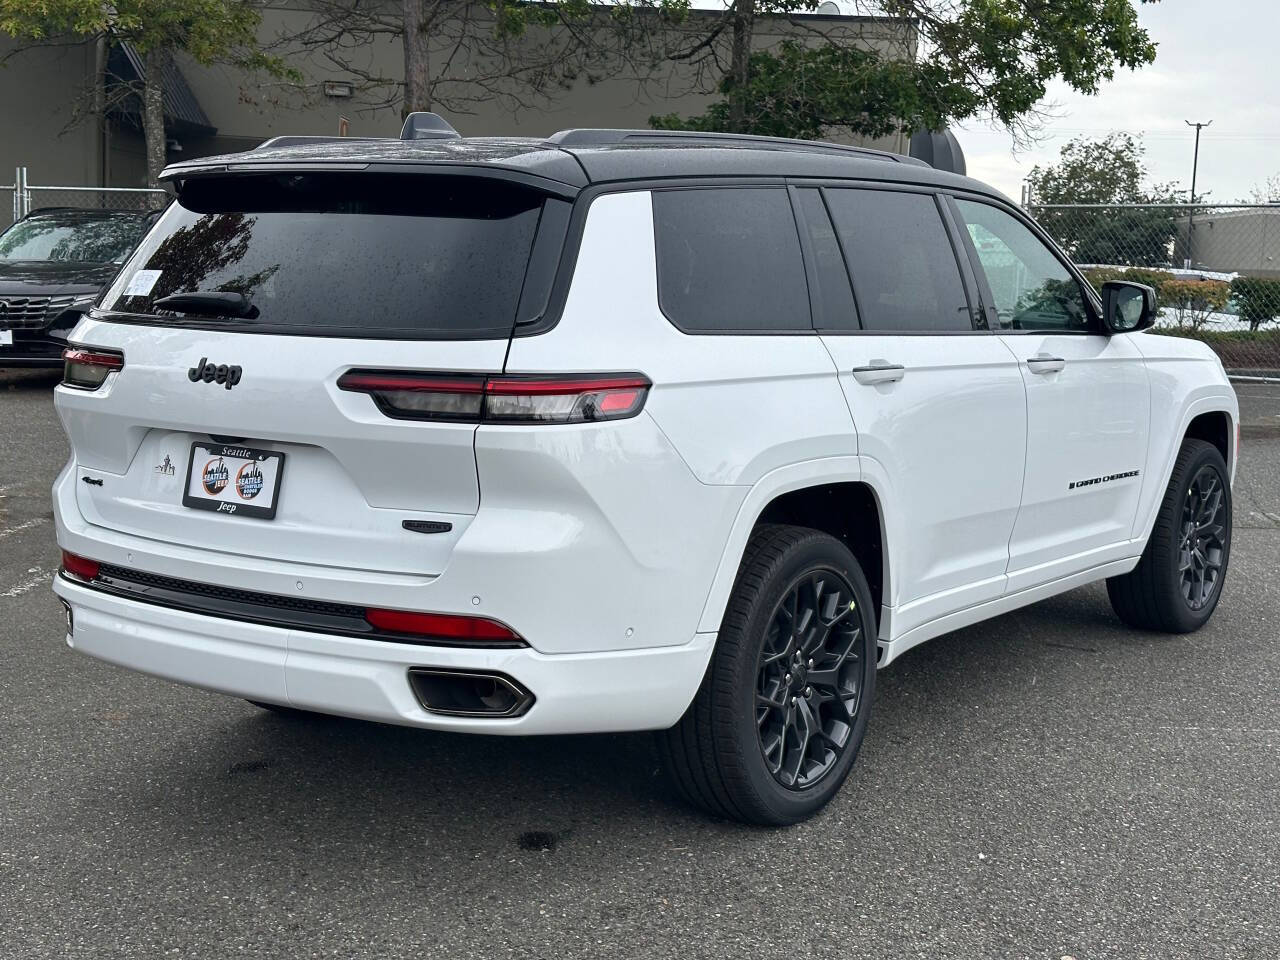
[616,431]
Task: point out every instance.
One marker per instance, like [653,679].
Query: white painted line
[26,586]
[25,525]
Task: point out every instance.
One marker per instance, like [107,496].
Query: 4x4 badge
[229,376]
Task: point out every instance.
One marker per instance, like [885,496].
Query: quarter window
[1031,287]
[729,260]
[904,270]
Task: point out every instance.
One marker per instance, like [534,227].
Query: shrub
[1257,298]
[1192,301]
[1156,279]
[1097,276]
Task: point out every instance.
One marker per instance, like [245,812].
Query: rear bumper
[34,348]
[638,689]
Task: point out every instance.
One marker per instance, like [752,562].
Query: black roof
[570,160]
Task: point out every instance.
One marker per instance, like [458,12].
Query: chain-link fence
[22,196]
[1215,269]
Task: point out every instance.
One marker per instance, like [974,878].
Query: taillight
[86,368]
[80,567]
[443,626]
[508,399]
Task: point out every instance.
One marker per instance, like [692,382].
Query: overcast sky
[1216,61]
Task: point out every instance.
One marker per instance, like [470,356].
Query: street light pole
[1191,220]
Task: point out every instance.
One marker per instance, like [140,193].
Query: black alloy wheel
[808,688]
[1202,552]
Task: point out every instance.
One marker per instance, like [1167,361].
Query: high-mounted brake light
[80,567]
[409,395]
[87,368]
[443,626]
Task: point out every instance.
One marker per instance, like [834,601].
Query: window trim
[967,280]
[806,331]
[1092,305]
[586,196]
[810,257]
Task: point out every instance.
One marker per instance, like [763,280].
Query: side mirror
[1127,307]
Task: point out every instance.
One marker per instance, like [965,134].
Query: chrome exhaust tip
[467,693]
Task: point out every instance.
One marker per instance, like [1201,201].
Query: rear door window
[729,260]
[905,274]
[363,255]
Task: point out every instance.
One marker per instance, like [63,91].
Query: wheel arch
[1214,419]
[834,495]
[1216,427]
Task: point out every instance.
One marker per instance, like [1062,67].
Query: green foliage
[805,91]
[1192,301]
[1110,171]
[207,30]
[991,58]
[1257,298]
[1155,279]
[1097,276]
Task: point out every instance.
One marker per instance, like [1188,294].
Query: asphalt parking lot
[1048,784]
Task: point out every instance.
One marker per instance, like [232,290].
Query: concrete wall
[38,91]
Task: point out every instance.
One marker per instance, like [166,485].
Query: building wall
[39,85]
[1239,241]
[39,89]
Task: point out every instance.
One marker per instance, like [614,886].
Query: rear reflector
[80,567]
[514,399]
[87,368]
[442,626]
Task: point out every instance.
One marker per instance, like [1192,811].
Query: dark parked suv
[53,264]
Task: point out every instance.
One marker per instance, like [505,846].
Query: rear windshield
[340,254]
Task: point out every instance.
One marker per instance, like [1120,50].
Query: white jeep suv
[616,430]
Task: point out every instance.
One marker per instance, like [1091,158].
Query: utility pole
[1191,220]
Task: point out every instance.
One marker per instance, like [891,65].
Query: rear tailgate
[350,477]
[357,273]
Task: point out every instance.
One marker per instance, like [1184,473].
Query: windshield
[104,239]
[340,254]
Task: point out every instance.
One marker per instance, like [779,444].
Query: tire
[716,754]
[1156,595]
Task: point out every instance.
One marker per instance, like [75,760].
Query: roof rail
[598,137]
[428,126]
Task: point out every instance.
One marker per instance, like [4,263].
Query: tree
[208,31]
[456,52]
[1258,299]
[949,60]
[1109,172]
[1268,191]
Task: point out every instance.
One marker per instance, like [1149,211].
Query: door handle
[879,371]
[1043,363]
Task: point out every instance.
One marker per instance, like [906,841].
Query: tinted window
[1031,287]
[73,236]
[833,307]
[729,259]
[353,255]
[904,271]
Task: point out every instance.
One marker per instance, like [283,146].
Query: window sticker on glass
[140,283]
